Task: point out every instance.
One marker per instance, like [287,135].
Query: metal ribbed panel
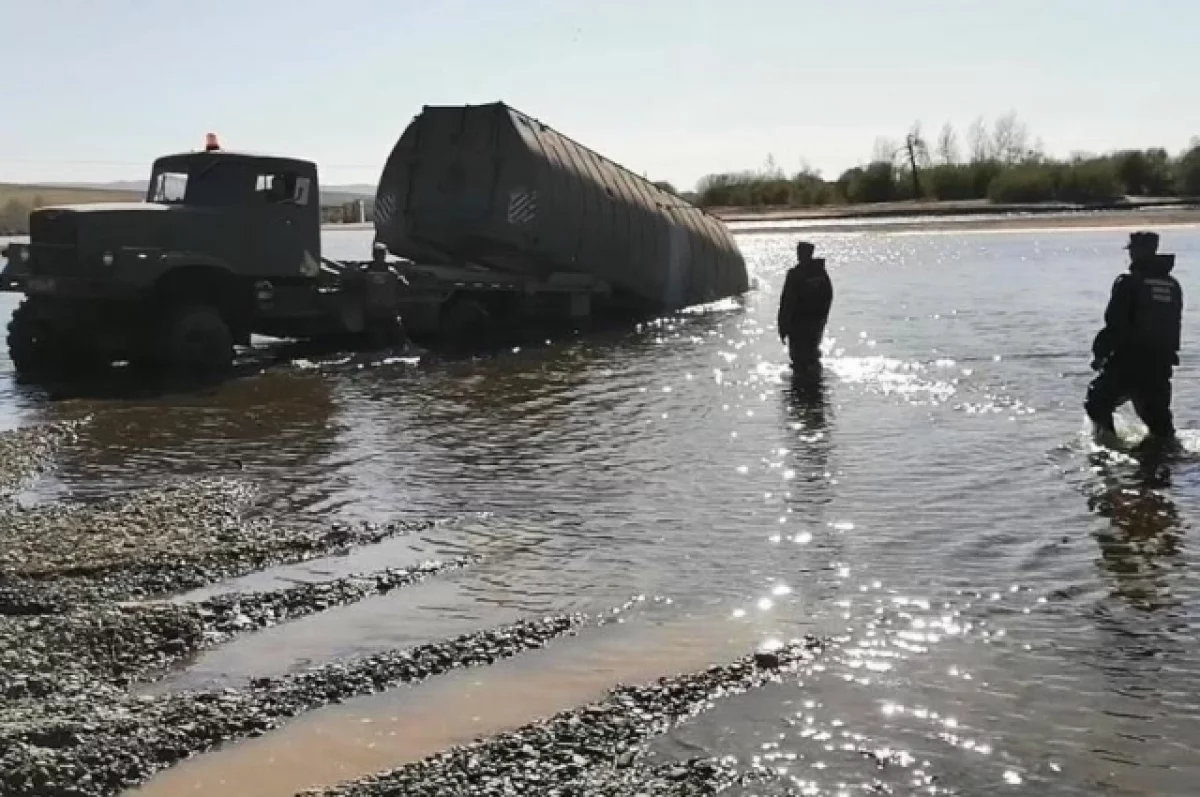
[490,185]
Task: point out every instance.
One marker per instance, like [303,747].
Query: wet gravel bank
[68,746]
[160,542]
[57,592]
[121,644]
[593,750]
[26,452]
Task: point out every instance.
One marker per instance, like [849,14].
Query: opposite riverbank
[994,220]
[941,216]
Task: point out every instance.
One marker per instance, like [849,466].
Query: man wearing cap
[804,307]
[1138,348]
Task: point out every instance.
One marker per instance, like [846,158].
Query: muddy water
[1013,611]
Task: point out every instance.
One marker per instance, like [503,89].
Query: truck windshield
[214,184]
[168,187]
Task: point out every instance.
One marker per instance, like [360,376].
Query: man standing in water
[1137,349]
[804,308]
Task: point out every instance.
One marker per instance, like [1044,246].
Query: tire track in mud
[594,749]
[124,739]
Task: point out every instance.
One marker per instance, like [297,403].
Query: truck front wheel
[37,345]
[198,342]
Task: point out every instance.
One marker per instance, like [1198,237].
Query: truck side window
[300,191]
[276,188]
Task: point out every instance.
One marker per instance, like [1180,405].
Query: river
[1011,611]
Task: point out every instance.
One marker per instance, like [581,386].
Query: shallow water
[1014,612]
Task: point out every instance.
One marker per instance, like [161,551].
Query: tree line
[999,162]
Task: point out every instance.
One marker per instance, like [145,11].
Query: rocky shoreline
[123,644]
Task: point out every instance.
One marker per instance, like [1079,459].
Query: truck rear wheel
[198,342]
[465,319]
[385,332]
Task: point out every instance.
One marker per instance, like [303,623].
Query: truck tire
[198,342]
[464,320]
[37,346]
[385,333]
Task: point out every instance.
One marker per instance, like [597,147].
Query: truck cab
[261,215]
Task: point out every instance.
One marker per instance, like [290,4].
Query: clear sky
[676,89]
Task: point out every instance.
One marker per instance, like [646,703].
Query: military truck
[485,221]
[226,245]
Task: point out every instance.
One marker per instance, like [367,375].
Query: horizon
[672,91]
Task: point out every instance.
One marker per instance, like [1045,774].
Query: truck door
[288,237]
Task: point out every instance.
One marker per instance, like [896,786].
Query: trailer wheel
[198,342]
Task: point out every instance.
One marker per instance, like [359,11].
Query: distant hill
[55,194]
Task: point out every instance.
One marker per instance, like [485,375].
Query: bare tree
[884,151]
[947,144]
[807,170]
[1010,138]
[978,141]
[1036,151]
[914,143]
[771,168]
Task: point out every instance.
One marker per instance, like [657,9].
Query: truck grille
[53,227]
[53,259]
[54,239]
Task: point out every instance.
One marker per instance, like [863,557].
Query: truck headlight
[108,259]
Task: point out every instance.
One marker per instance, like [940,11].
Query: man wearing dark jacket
[804,307]
[1138,348]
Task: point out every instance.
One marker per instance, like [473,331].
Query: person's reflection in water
[818,550]
[806,397]
[1144,633]
[1143,536]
